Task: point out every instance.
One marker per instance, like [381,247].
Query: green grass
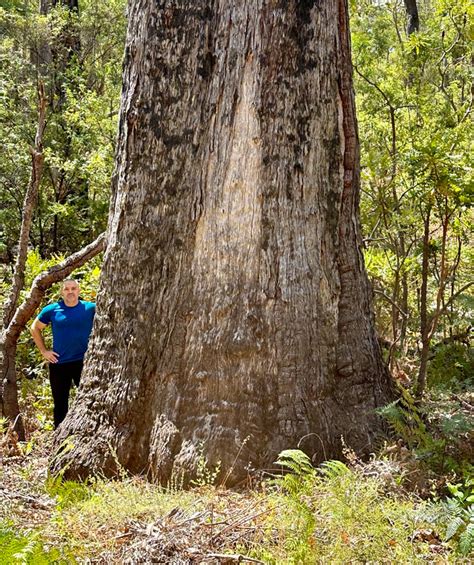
[90,517]
[332,514]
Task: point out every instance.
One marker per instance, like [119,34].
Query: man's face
[70,293]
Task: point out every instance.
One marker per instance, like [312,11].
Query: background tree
[234,308]
[414,100]
[82,88]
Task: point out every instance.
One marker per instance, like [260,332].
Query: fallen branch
[35,502]
[234,557]
[464,403]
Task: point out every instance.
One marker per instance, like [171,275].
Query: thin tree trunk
[9,407]
[31,196]
[424,320]
[413,24]
[405,308]
[234,309]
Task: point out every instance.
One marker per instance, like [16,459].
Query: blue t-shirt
[72,326]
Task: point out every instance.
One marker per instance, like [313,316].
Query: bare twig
[382,293]
[234,557]
[35,502]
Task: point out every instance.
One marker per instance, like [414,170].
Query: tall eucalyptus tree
[234,313]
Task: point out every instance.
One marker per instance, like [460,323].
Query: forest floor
[377,511]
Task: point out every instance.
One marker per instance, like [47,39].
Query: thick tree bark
[234,307]
[9,406]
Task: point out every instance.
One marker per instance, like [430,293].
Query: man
[71,321]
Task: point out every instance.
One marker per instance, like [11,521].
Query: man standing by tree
[71,321]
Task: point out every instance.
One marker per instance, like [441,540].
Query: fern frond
[454,507]
[333,469]
[295,461]
[27,550]
[466,540]
[454,526]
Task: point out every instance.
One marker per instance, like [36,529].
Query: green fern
[458,524]
[301,475]
[454,526]
[466,539]
[333,469]
[66,492]
[26,549]
[404,418]
[296,461]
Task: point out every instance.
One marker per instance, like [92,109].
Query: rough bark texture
[9,406]
[234,307]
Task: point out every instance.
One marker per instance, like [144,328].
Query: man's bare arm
[36,329]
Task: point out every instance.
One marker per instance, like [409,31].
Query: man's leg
[60,380]
[76,370]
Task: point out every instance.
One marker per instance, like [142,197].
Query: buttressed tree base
[234,312]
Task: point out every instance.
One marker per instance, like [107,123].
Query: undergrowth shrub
[435,432]
[67,493]
[455,517]
[332,514]
[452,367]
[28,549]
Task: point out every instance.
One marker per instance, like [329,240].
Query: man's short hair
[63,283]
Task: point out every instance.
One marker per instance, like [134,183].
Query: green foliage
[452,367]
[437,432]
[337,516]
[27,549]
[455,515]
[205,475]
[405,419]
[298,484]
[82,85]
[332,470]
[332,514]
[297,462]
[414,101]
[67,493]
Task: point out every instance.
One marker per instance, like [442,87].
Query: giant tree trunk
[234,302]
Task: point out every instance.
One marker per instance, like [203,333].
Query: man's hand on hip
[50,356]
